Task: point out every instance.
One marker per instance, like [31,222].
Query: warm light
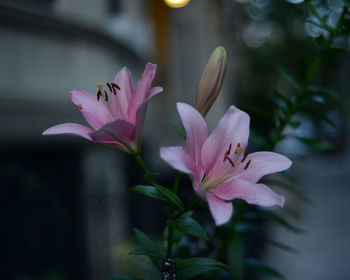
[176,3]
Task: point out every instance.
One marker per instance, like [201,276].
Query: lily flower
[116,118]
[218,166]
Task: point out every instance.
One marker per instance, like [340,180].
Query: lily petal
[263,163]
[252,193]
[70,129]
[122,98]
[177,158]
[95,112]
[153,91]
[220,209]
[233,129]
[119,131]
[142,88]
[196,131]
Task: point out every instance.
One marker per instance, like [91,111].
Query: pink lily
[116,119]
[218,166]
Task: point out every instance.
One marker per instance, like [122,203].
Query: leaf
[315,144]
[190,268]
[188,226]
[282,246]
[159,192]
[257,266]
[179,130]
[150,191]
[148,245]
[282,101]
[148,253]
[328,91]
[170,196]
[282,221]
[123,278]
[289,77]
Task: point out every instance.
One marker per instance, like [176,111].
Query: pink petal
[142,89]
[233,129]
[221,210]
[119,131]
[177,158]
[196,131]
[252,193]
[154,91]
[263,163]
[95,112]
[70,129]
[123,96]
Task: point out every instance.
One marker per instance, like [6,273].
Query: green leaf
[179,130]
[124,278]
[261,268]
[188,226]
[315,144]
[150,191]
[289,77]
[159,192]
[328,91]
[281,221]
[282,246]
[148,245]
[170,196]
[190,268]
[282,101]
[147,253]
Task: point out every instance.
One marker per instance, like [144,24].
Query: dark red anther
[245,156]
[106,95]
[109,87]
[115,87]
[247,165]
[99,94]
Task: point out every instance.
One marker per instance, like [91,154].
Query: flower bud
[211,80]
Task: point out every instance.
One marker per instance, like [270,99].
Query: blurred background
[65,212]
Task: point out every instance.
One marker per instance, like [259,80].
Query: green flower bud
[211,80]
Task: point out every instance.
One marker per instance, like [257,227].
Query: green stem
[170,240]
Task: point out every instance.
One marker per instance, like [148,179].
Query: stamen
[109,87]
[238,149]
[227,152]
[245,156]
[247,165]
[115,87]
[100,90]
[105,95]
[99,94]
[230,160]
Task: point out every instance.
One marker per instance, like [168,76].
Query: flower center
[113,87]
[222,172]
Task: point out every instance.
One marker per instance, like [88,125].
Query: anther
[244,157]
[105,95]
[99,94]
[109,87]
[247,165]
[115,87]
[238,149]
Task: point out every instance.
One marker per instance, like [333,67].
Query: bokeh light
[176,3]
